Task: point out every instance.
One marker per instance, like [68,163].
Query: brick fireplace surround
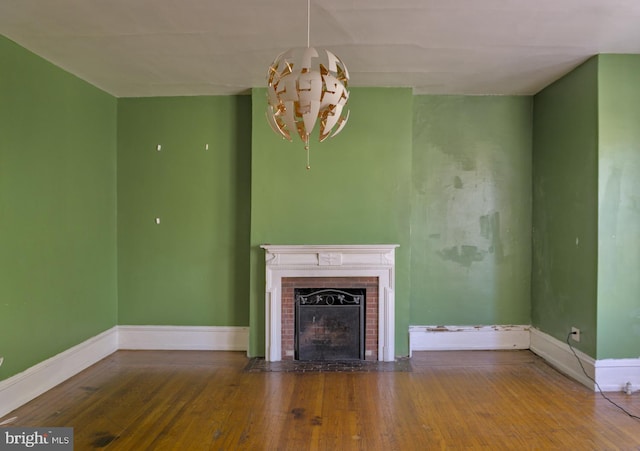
[330,266]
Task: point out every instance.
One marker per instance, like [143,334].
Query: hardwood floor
[177,400]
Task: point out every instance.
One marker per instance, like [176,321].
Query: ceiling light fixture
[304,85]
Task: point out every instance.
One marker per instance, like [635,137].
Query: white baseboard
[459,338]
[203,338]
[614,374]
[611,374]
[23,387]
[558,354]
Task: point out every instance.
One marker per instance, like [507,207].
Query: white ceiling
[133,48]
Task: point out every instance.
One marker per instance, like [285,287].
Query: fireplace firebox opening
[353,286]
[329,323]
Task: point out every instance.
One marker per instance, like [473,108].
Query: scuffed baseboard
[461,338]
[610,374]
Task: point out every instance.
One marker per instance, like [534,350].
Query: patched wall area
[471,210]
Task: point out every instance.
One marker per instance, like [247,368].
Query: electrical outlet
[1,360]
[575,334]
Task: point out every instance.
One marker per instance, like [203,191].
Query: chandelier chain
[308,21]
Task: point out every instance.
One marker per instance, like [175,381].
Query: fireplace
[329,323]
[323,267]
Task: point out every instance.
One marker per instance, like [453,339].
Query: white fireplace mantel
[375,260]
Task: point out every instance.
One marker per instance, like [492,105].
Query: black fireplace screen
[329,323]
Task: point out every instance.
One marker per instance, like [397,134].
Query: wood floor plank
[204,400]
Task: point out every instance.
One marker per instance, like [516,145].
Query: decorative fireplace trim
[377,260]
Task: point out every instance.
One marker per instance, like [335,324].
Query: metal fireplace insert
[329,323]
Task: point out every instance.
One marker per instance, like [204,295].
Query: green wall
[192,268]
[471,210]
[357,191]
[619,207]
[57,210]
[565,207]
[456,181]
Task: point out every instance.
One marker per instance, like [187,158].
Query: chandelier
[304,85]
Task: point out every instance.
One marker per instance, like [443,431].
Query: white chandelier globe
[304,85]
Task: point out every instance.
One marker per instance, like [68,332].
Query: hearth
[329,324]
